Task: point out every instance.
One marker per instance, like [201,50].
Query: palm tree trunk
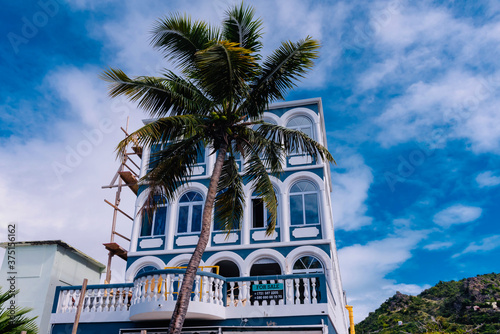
[184,296]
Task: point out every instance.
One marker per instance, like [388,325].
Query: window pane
[146,224]
[258,212]
[196,219]
[296,210]
[183,219]
[197,197]
[160,219]
[312,212]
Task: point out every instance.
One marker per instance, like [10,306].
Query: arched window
[190,211]
[146,269]
[302,123]
[265,267]
[304,203]
[260,214]
[307,265]
[154,224]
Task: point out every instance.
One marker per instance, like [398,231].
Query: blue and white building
[286,282]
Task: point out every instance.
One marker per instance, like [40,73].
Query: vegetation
[13,320]
[217,101]
[470,305]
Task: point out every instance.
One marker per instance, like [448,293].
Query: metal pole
[80,306]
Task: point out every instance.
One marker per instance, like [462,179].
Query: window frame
[164,204]
[190,204]
[303,196]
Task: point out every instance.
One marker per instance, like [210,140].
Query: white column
[285,216]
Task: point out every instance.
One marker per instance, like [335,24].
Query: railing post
[314,293]
[306,290]
[297,291]
[289,291]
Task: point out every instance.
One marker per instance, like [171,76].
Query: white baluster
[170,290]
[306,290]
[76,298]
[220,294]
[179,284]
[281,301]
[143,289]
[205,289]
[289,291]
[231,298]
[314,293]
[62,303]
[243,293]
[297,291]
[211,290]
[100,294]
[86,305]
[156,287]
[196,297]
[105,300]
[93,300]
[112,299]
[119,299]
[163,286]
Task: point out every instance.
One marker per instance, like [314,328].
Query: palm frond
[224,70]
[157,96]
[279,74]
[295,140]
[256,172]
[173,165]
[241,27]
[179,38]
[163,130]
[230,199]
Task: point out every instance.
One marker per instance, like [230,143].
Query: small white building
[41,266]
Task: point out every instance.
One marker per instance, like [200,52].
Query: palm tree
[13,319]
[217,101]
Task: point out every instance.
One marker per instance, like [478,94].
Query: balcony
[153,295]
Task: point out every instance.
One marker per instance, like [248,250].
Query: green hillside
[471,305]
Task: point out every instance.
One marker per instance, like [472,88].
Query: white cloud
[364,268]
[438,245]
[52,189]
[350,191]
[487,179]
[485,245]
[457,214]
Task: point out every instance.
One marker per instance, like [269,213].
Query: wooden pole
[80,306]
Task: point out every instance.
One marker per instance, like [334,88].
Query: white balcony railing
[153,295]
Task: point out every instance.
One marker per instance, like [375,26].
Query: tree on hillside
[13,320]
[216,102]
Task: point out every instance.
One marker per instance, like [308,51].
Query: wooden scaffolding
[127,175]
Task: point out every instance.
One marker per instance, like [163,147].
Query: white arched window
[304,203]
[302,123]
[190,212]
[307,265]
[153,223]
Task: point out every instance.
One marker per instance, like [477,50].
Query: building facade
[40,267]
[248,281]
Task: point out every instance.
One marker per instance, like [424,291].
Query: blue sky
[410,93]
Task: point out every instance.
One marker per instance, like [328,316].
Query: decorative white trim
[223,238]
[303,175]
[317,252]
[261,236]
[305,232]
[141,263]
[198,170]
[261,254]
[181,259]
[300,160]
[189,240]
[151,243]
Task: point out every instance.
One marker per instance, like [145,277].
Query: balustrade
[163,286]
